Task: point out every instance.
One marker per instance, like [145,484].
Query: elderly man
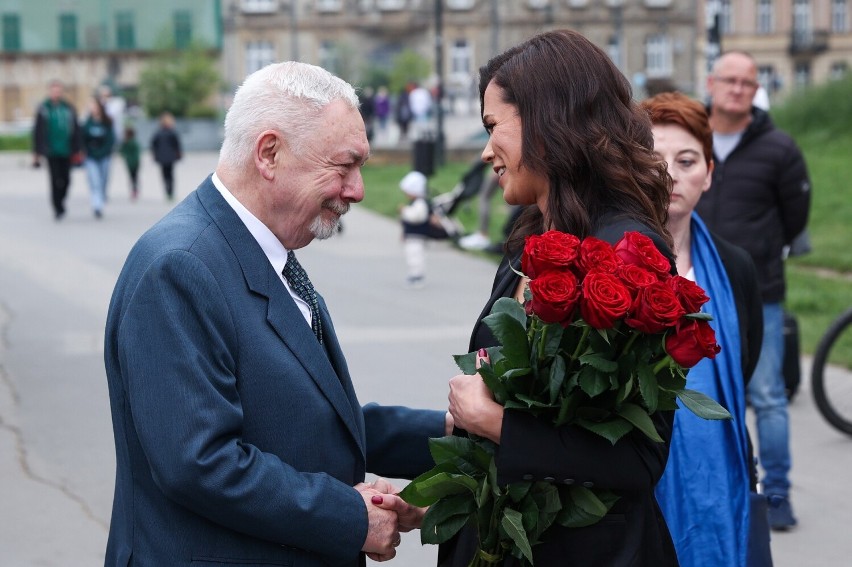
[759,200]
[239,438]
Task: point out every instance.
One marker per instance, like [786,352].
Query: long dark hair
[582,129]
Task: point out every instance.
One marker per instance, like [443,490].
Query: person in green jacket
[129,150]
[56,137]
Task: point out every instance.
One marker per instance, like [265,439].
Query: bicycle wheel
[830,375]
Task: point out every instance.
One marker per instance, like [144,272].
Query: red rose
[635,277]
[605,300]
[655,309]
[597,254]
[692,341]
[690,294]
[638,249]
[552,250]
[554,296]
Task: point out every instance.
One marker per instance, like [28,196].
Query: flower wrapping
[603,341]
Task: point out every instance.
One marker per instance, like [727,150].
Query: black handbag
[791,365]
[759,552]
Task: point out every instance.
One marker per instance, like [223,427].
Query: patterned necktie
[298,280]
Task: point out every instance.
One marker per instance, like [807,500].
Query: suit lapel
[283,315]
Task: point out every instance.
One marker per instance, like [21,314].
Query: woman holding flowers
[567,139]
[705,491]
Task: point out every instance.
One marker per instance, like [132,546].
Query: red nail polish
[377,499]
[482,353]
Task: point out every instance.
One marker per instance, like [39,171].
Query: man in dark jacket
[759,200]
[56,136]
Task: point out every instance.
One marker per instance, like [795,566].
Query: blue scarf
[704,492]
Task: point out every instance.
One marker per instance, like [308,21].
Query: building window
[259,6]
[658,56]
[461,59]
[459,4]
[390,4]
[11,32]
[839,69]
[802,25]
[578,3]
[726,17]
[183,29]
[328,57]
[839,17]
[613,49]
[68,32]
[259,54]
[767,78]
[538,4]
[802,74]
[765,16]
[125,36]
[329,5]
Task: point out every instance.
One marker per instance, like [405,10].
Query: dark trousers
[60,178]
[168,178]
[133,172]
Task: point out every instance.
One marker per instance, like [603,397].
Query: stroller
[445,204]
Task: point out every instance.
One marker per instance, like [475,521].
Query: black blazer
[634,533]
[742,274]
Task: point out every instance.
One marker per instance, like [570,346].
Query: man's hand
[382,525]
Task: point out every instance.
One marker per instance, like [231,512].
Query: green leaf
[512,522]
[450,448]
[532,402]
[625,390]
[599,362]
[510,306]
[592,382]
[702,405]
[518,490]
[512,334]
[443,484]
[671,379]
[445,518]
[517,372]
[648,387]
[587,500]
[612,429]
[466,362]
[557,376]
[553,338]
[640,418]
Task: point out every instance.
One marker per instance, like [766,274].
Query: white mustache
[337,207]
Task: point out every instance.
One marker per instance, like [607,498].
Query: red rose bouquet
[603,341]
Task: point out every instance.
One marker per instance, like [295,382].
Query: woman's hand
[472,405]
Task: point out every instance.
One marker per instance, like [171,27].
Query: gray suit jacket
[238,436]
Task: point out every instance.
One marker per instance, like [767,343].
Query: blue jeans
[769,400]
[97,170]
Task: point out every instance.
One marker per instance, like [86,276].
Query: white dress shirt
[275,252]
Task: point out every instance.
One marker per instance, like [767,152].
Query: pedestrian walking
[56,137]
[98,143]
[130,151]
[166,149]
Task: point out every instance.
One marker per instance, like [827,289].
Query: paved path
[56,447]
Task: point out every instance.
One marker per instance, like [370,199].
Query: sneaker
[475,241]
[781,516]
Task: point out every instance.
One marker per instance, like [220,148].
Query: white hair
[286,97]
